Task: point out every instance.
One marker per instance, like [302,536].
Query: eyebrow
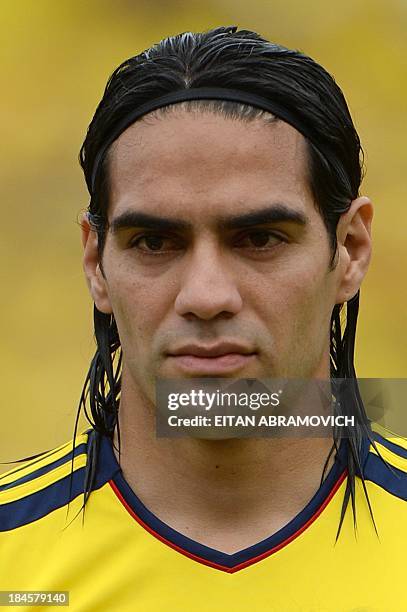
[132,218]
[276,213]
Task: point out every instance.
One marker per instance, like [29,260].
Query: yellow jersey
[118,556]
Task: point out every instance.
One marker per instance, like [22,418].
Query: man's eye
[259,239]
[153,243]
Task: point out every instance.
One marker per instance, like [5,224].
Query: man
[225,235]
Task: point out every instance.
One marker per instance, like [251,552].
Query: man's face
[228,272]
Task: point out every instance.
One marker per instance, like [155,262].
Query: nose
[208,287]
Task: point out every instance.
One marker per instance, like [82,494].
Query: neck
[224,493]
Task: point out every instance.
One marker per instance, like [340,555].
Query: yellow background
[56,57]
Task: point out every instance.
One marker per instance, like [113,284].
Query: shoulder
[386,462]
[42,484]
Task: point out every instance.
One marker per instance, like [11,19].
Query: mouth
[222,358]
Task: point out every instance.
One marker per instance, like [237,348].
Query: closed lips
[213,351]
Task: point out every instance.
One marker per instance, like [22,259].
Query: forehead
[194,163]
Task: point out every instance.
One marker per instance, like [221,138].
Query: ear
[354,247]
[95,279]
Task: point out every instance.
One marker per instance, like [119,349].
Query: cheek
[309,311]
[139,307]
[295,303]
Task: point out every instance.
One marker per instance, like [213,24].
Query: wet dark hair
[240,59]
